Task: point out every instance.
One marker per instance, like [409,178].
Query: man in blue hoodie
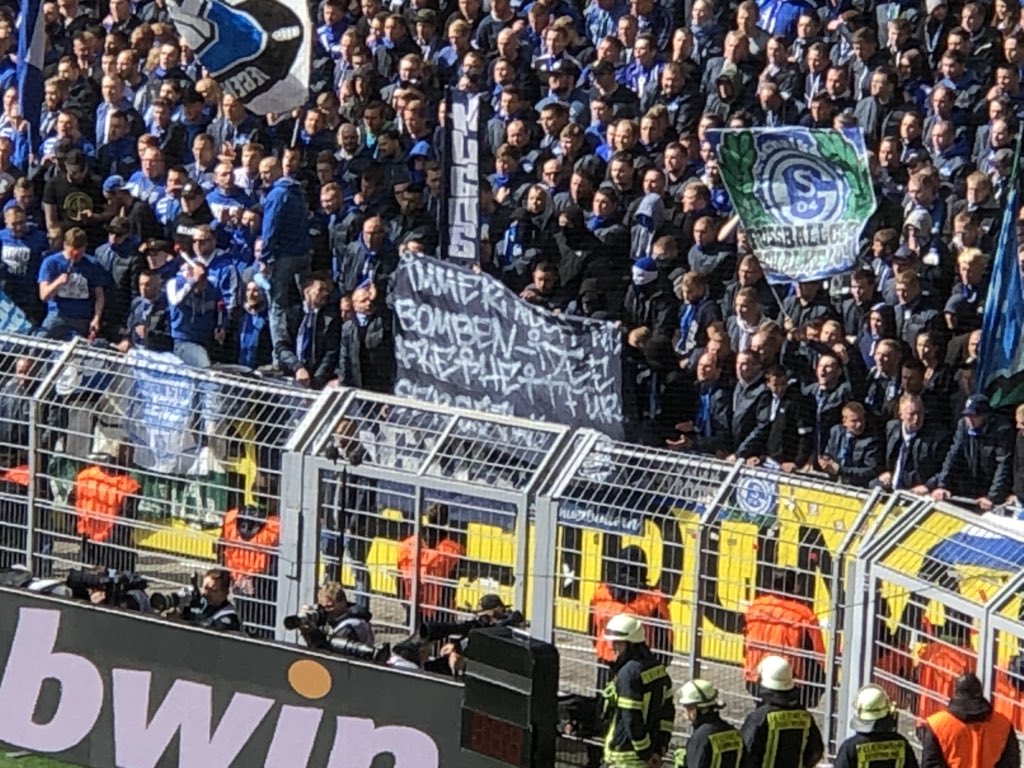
[286,246]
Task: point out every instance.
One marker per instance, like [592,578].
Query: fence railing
[137,463]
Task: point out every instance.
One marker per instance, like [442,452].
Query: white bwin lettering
[140,741]
[246,81]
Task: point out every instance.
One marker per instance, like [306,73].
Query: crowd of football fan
[155,211]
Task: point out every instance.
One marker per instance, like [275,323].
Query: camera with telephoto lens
[309,618]
[116,586]
[314,622]
[432,631]
[186,600]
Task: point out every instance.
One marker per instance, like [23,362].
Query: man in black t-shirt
[73,199]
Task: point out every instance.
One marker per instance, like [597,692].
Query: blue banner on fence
[464,339]
[159,417]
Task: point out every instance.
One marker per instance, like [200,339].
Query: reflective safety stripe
[631,704]
[642,744]
[726,749]
[783,723]
[668,725]
[892,753]
[648,676]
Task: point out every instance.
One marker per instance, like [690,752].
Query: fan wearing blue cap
[979,464]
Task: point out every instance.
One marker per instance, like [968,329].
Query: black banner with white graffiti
[464,339]
[461,226]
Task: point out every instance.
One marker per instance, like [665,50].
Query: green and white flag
[802,195]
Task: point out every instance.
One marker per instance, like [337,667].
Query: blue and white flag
[1001,352]
[461,226]
[803,196]
[159,419]
[31,52]
[12,319]
[260,51]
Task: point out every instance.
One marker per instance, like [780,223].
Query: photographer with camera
[491,611]
[209,606]
[333,618]
[114,589]
[338,626]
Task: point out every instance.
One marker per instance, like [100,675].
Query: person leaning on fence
[628,593]
[638,701]
[979,462]
[875,742]
[248,549]
[968,733]
[105,497]
[777,622]
[439,555]
[780,733]
[714,743]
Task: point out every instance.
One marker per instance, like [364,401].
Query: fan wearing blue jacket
[22,246]
[197,313]
[286,246]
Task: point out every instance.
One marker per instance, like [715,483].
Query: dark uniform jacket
[875,750]
[713,742]
[641,708]
[223,618]
[795,726]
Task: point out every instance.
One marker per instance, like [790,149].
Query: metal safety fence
[134,462]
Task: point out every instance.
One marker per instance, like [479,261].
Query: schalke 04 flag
[802,195]
[258,50]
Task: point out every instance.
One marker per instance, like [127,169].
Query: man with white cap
[638,702]
[780,733]
[875,742]
[713,742]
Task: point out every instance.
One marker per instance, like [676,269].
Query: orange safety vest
[17,475]
[939,665]
[1006,700]
[435,565]
[970,745]
[777,626]
[253,556]
[99,497]
[649,604]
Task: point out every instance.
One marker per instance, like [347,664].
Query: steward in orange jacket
[629,593]
[14,484]
[941,662]
[779,623]
[968,733]
[105,498]
[248,549]
[439,557]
